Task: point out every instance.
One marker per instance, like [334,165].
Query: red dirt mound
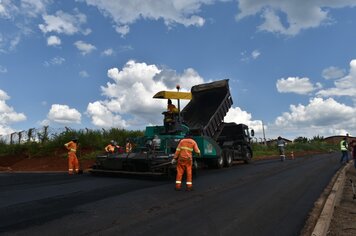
[23,163]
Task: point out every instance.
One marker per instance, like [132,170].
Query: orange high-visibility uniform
[128,147]
[73,163]
[185,160]
[110,148]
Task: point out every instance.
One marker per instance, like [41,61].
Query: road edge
[322,226]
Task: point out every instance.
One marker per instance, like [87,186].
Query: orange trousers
[73,163]
[184,165]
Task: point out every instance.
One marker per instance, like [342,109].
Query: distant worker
[112,147]
[184,159]
[73,164]
[344,147]
[281,144]
[128,146]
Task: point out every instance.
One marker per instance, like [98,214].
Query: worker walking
[73,164]
[344,147]
[184,159]
[281,146]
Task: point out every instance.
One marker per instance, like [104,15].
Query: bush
[91,143]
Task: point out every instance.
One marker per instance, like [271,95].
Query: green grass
[91,143]
[260,150]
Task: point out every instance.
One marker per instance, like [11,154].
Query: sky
[96,64]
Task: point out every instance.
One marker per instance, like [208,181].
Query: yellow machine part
[173,95]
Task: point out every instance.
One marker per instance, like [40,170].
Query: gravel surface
[343,222]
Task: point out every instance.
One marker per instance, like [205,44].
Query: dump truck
[220,143]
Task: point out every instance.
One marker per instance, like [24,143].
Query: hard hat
[112,142]
[74,139]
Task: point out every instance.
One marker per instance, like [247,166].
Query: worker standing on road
[281,144]
[184,159]
[344,147]
[73,164]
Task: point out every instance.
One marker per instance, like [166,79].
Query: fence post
[45,134]
[20,136]
[29,134]
[12,138]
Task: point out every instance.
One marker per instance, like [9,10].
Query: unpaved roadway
[264,198]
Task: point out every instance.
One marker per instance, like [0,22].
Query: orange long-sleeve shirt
[185,149]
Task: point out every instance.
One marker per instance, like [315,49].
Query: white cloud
[323,117]
[55,61]
[53,41]
[296,85]
[103,117]
[84,74]
[333,72]
[84,48]
[129,101]
[292,16]
[345,86]
[64,23]
[63,114]
[8,9]
[246,57]
[3,69]
[235,114]
[255,53]
[171,12]
[108,52]
[34,7]
[8,115]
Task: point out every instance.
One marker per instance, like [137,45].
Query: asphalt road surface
[264,198]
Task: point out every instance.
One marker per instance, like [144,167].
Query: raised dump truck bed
[205,113]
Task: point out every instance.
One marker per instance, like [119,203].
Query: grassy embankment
[93,142]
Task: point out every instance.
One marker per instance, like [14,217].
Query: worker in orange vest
[184,159]
[73,164]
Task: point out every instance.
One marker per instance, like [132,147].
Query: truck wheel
[228,158]
[220,162]
[248,157]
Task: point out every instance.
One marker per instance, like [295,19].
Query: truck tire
[219,162]
[228,158]
[248,156]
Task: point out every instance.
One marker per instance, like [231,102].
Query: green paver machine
[220,143]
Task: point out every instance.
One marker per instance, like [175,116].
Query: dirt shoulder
[343,222]
[53,163]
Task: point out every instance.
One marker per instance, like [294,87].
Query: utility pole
[264,135]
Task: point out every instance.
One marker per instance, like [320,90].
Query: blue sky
[97,63]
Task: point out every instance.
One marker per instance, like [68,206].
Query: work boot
[178,189]
[188,189]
